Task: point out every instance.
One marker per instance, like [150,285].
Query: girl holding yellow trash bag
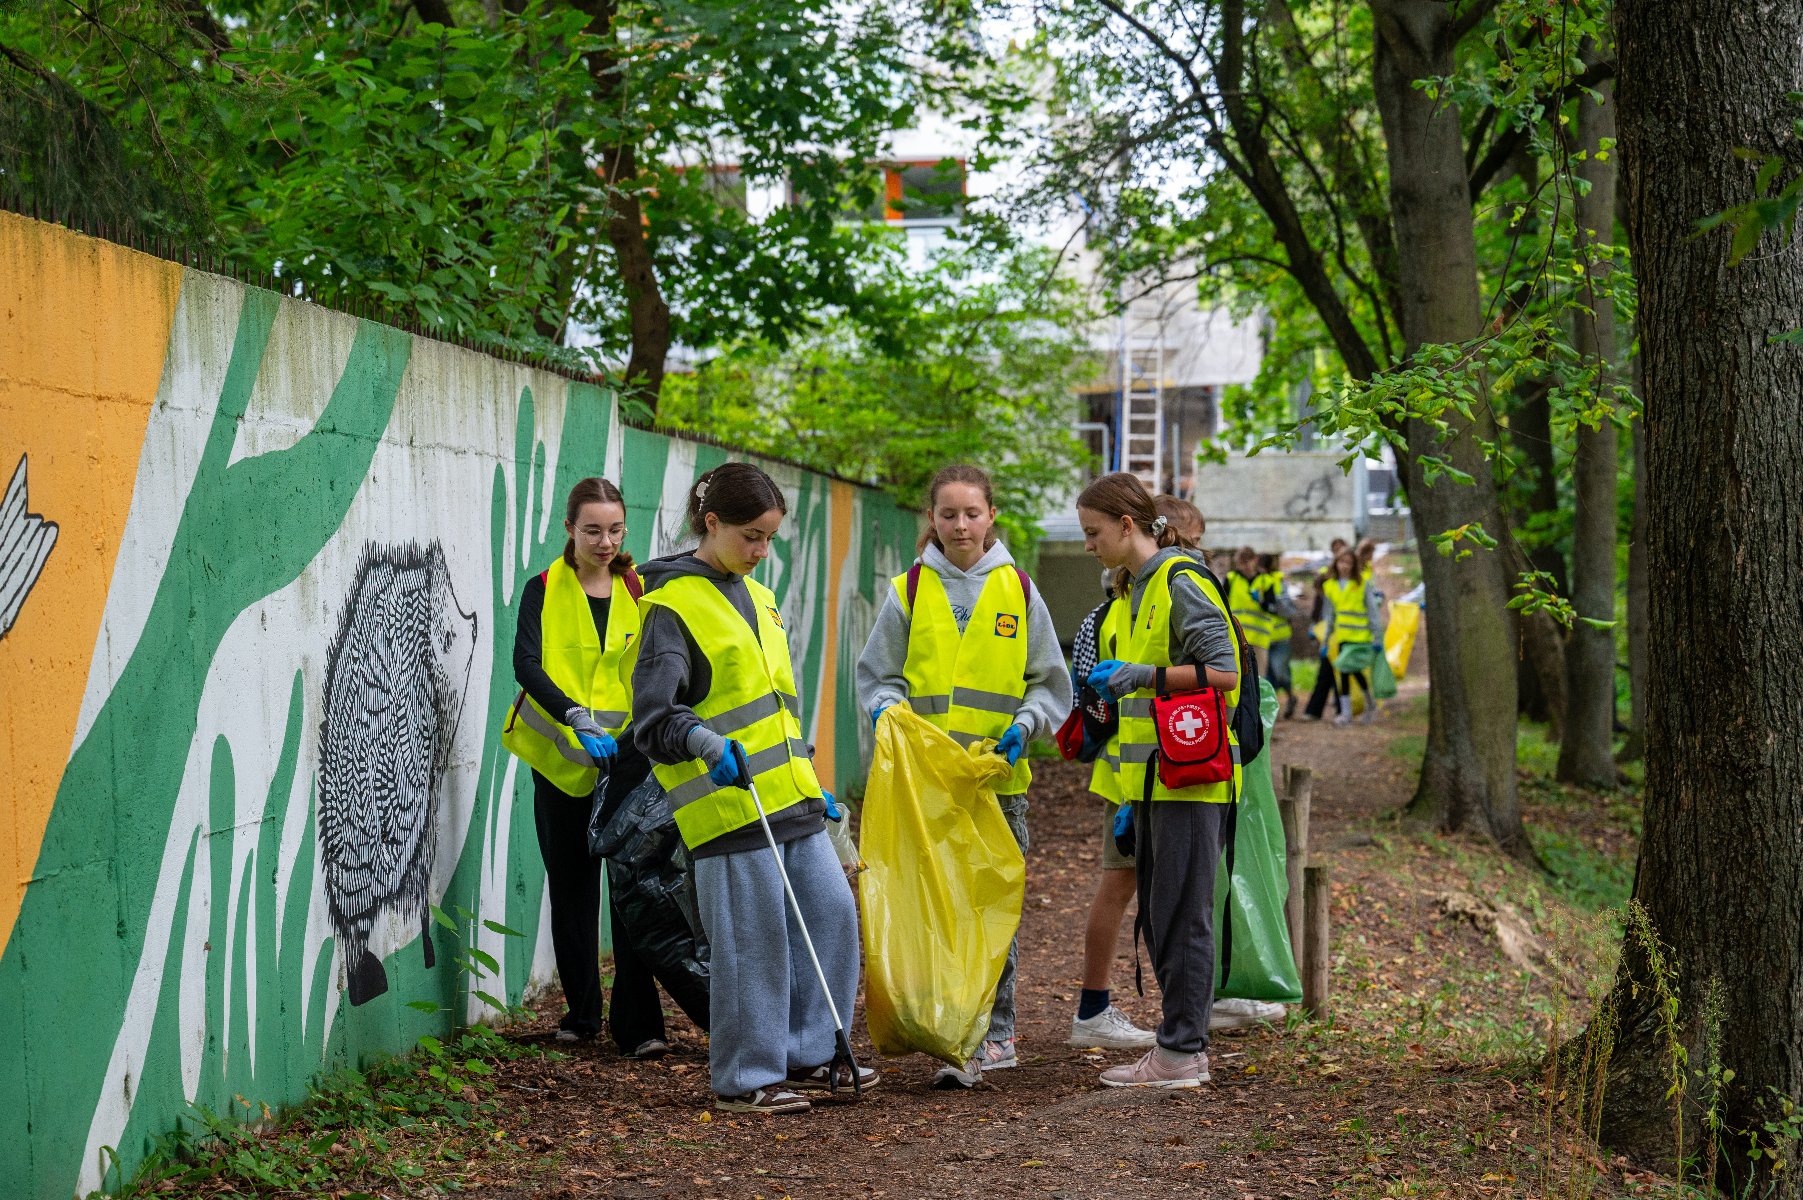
[965,640]
[717,713]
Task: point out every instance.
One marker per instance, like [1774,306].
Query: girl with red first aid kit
[1177,681]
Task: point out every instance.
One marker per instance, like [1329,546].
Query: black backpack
[1248,724]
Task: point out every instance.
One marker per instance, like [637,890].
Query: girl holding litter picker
[718,715]
[964,639]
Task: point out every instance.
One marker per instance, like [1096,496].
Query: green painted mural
[272,636]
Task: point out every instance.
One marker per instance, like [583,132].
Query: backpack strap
[913,586]
[1026,586]
[635,587]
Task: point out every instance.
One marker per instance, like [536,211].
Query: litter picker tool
[842,1055]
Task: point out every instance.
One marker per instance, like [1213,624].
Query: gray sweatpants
[1178,846]
[1001,1017]
[765,1008]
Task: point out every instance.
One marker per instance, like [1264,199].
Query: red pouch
[1193,746]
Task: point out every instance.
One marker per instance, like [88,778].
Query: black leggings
[1326,687]
[1346,679]
[574,876]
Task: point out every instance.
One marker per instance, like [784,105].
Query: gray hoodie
[672,676]
[1200,635]
[880,679]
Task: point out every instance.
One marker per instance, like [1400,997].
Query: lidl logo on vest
[774,615]
[1006,625]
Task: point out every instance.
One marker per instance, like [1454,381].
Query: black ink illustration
[25,542]
[395,679]
[1311,503]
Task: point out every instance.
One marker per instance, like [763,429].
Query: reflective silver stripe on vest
[969,739]
[994,702]
[539,724]
[790,703]
[1141,752]
[1136,706]
[764,760]
[745,715]
[930,706]
[608,718]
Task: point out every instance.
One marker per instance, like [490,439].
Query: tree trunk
[1720,875]
[1586,750]
[1633,747]
[648,314]
[1468,773]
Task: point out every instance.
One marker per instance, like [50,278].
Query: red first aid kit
[1193,746]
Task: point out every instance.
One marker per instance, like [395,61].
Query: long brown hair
[594,490]
[736,492]
[1121,494]
[977,477]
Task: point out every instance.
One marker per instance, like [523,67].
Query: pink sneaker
[1159,1068]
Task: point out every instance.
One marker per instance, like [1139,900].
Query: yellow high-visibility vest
[1350,624]
[751,699]
[1149,641]
[1246,607]
[1277,626]
[1104,777]
[969,684]
[585,670]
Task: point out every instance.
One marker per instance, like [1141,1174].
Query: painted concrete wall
[1277,502]
[258,569]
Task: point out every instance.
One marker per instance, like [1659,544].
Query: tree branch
[1513,139]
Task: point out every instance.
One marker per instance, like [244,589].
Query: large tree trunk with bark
[1720,875]
[1586,749]
[1468,773]
[1633,747]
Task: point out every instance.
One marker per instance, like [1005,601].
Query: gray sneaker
[1159,1068]
[1245,1014]
[769,1101]
[967,1076]
[1111,1029]
[998,1056]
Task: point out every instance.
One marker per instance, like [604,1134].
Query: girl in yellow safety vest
[1178,638]
[574,623]
[964,639]
[716,698]
[1353,616]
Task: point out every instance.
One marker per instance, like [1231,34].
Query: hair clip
[701,490]
[1159,526]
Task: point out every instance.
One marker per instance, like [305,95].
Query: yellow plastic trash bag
[941,891]
[1399,638]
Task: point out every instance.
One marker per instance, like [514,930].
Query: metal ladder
[1142,439]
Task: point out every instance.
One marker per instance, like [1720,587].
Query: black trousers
[1346,679]
[636,1013]
[1326,687]
[1179,845]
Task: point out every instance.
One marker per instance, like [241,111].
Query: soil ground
[1424,1081]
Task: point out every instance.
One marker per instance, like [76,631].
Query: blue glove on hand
[1114,678]
[1126,838]
[726,773]
[876,714]
[1013,744]
[832,807]
[597,743]
[1123,820]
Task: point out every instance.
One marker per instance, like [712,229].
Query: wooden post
[1317,895]
[1298,791]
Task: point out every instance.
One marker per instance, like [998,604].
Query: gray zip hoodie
[672,675]
[880,679]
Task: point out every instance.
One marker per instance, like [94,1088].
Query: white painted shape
[307,352]
[669,533]
[200,349]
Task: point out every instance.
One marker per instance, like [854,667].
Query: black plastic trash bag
[652,881]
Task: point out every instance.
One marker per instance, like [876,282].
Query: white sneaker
[1245,1014]
[1111,1029]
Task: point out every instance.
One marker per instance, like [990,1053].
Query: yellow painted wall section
[844,499]
[86,330]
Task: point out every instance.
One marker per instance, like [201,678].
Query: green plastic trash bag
[1355,657]
[1383,682]
[1263,965]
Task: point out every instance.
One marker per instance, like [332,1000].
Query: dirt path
[1363,1106]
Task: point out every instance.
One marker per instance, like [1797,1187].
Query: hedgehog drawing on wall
[395,679]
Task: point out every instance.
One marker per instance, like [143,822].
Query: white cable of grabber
[794,904]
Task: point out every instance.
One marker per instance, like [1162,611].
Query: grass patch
[423,1122]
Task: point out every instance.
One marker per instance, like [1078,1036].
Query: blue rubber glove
[832,807]
[597,743]
[1113,678]
[1013,744]
[1123,820]
[876,714]
[1126,838]
[726,772]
